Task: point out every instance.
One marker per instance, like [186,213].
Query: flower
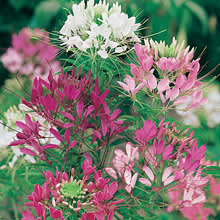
[130,86]
[30,57]
[108,31]
[71,103]
[168,71]
[92,195]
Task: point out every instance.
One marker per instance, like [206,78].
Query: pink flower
[12,60]
[87,166]
[56,214]
[130,86]
[27,215]
[169,71]
[130,180]
[196,212]
[147,181]
[121,160]
[146,133]
[30,57]
[103,200]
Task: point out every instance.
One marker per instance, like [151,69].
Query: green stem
[15,209]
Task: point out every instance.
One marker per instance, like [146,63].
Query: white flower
[6,136]
[103,54]
[96,26]
[121,25]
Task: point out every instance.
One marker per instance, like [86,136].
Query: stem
[15,209]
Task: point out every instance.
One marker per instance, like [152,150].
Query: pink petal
[27,151]
[169,180]
[145,181]
[181,100]
[166,173]
[174,93]
[124,86]
[160,147]
[152,82]
[56,134]
[130,82]
[163,85]
[129,149]
[79,108]
[67,135]
[127,175]
[51,146]
[133,180]
[149,173]
[111,172]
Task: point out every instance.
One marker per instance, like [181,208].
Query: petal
[145,181]
[163,85]
[166,173]
[127,175]
[149,172]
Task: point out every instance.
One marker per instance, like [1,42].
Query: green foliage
[213,170]
[44,13]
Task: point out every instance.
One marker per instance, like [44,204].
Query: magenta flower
[72,105]
[56,214]
[27,215]
[146,133]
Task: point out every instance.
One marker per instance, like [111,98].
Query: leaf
[212,170]
[44,13]
[200,13]
[18,4]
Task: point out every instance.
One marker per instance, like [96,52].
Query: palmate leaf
[213,170]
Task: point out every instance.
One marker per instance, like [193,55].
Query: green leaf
[213,170]
[200,13]
[44,13]
[18,4]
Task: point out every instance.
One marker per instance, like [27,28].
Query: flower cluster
[164,159]
[96,27]
[73,105]
[14,114]
[91,197]
[29,56]
[168,71]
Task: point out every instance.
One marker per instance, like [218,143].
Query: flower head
[97,27]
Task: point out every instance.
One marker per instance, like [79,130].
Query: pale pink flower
[166,178]
[170,72]
[130,86]
[150,177]
[121,160]
[130,180]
